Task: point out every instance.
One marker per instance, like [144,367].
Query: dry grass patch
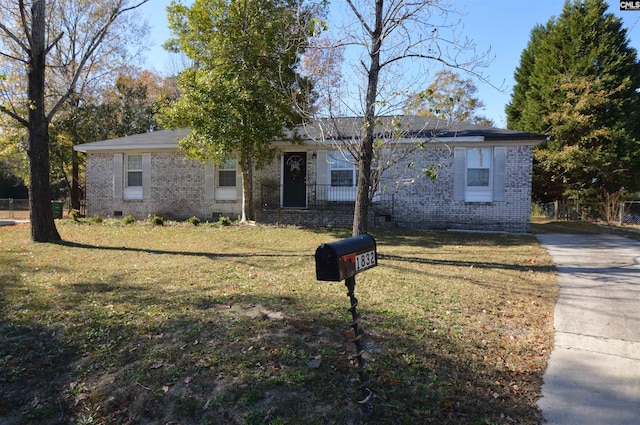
[542,225]
[183,324]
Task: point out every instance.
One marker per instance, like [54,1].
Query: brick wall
[421,203]
[177,190]
[428,204]
[296,217]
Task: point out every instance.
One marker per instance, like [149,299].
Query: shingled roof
[163,139]
[330,129]
[410,127]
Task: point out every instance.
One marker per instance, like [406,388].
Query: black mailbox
[345,258]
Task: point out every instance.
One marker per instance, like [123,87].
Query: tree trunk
[43,227]
[363,193]
[247,188]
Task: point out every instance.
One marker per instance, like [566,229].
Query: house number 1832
[365,260]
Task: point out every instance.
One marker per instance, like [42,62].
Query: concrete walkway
[11,222]
[593,376]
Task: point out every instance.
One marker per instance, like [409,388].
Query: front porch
[316,205]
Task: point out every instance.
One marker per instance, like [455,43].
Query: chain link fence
[569,210]
[628,213]
[14,209]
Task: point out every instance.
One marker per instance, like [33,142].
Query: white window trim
[496,190]
[213,190]
[226,193]
[121,191]
[341,193]
[479,193]
[133,192]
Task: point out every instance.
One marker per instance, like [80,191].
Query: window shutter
[117,175]
[146,175]
[459,167]
[209,181]
[499,170]
[322,175]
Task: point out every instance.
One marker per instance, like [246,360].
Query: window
[479,174]
[227,174]
[479,167]
[133,179]
[220,181]
[343,170]
[131,176]
[343,177]
[134,171]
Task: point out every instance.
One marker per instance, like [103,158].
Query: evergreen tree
[517,106]
[578,82]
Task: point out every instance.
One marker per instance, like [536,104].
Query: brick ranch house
[483,177]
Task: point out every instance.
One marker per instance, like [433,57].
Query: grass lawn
[178,324]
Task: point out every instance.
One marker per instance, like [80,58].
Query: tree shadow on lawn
[429,238]
[381,255]
[473,264]
[211,255]
[116,354]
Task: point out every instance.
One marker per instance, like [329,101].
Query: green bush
[156,220]
[537,210]
[224,221]
[96,218]
[128,219]
[193,220]
[74,214]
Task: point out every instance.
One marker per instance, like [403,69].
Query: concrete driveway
[593,376]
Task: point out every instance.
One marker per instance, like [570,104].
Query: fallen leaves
[192,330]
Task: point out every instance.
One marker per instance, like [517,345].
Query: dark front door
[295,180]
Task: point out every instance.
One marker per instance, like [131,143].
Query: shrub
[128,219]
[224,221]
[156,220]
[74,214]
[193,220]
[537,210]
[96,218]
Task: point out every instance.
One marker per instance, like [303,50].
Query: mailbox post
[342,260]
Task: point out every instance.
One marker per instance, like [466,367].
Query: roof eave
[119,148]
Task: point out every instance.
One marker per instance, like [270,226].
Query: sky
[504,26]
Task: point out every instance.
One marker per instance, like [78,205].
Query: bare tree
[28,37]
[399,138]
[381,36]
[322,63]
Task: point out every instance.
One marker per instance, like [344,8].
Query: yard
[181,324]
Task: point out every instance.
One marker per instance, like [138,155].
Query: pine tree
[578,82]
[516,109]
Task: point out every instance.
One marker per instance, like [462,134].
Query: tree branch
[360,17]
[58,38]
[6,55]
[25,28]
[12,36]
[13,115]
[93,44]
